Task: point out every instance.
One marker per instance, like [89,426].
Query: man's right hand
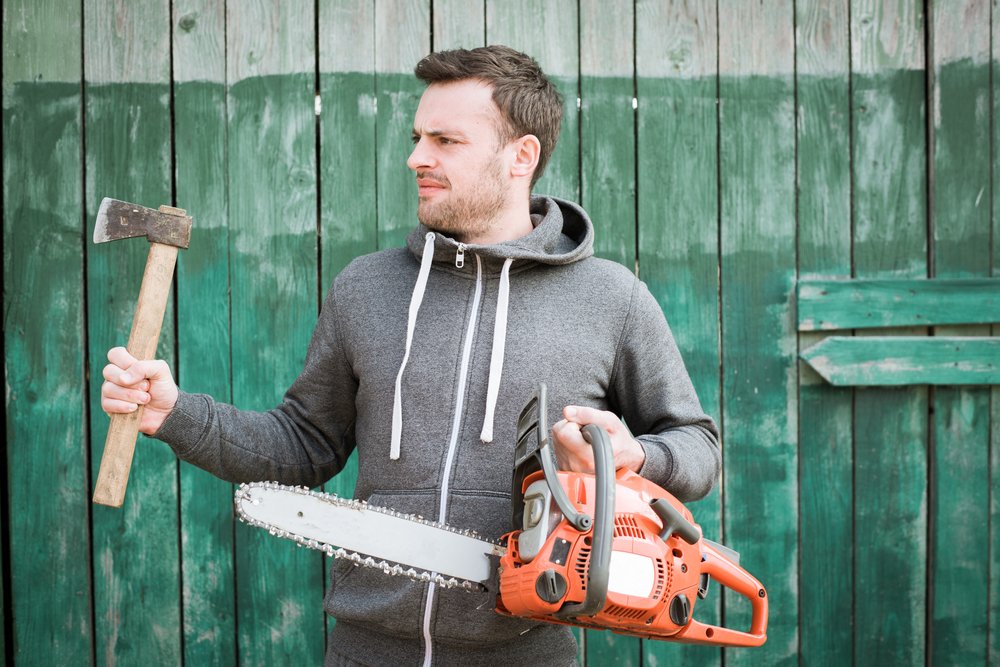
[129,383]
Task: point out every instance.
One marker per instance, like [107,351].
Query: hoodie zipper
[456,425]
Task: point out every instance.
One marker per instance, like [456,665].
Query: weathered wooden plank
[208,578]
[676,66]
[458,24]
[347,134]
[274,276]
[348,220]
[402,38]
[825,413]
[993,638]
[607,127]
[890,241]
[545,31]
[960,219]
[607,156]
[43,322]
[135,549]
[859,304]
[757,199]
[884,361]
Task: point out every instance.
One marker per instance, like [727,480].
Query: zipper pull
[460,256]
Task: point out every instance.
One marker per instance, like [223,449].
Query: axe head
[122,220]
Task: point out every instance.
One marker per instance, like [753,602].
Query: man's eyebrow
[434,132]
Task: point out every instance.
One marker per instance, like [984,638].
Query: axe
[167,230]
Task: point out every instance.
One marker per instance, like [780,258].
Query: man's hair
[528,102]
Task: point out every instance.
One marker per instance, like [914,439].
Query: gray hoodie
[422,359]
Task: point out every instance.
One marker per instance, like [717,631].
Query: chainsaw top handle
[533,454]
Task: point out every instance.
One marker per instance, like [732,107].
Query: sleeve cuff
[659,463]
[186,425]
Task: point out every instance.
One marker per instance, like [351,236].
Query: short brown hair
[528,102]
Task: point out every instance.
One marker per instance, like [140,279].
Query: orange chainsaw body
[654,582]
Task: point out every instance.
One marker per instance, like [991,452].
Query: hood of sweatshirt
[562,234]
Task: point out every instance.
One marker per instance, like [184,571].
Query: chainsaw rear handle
[734,577]
[599,567]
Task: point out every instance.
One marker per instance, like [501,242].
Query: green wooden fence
[727,150]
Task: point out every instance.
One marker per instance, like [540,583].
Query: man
[423,356]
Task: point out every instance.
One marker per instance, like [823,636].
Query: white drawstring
[415,300]
[496,358]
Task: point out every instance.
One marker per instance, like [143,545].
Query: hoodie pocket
[395,605]
[366,596]
[470,618]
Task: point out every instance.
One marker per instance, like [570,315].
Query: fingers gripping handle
[116,461]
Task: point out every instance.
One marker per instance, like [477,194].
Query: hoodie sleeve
[653,392]
[304,441]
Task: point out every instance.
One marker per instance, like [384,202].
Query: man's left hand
[575,454]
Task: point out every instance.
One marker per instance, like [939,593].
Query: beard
[468,214]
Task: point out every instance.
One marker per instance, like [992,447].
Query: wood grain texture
[47,481]
[889,155]
[678,224]
[548,32]
[993,636]
[347,135]
[858,304]
[402,38]
[906,360]
[607,128]
[459,24]
[128,157]
[825,440]
[208,584]
[274,294]
[960,219]
[757,195]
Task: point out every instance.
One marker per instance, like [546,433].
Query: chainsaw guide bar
[370,536]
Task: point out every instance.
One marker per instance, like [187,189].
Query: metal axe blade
[122,220]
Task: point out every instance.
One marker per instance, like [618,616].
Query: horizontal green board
[859,304]
[901,360]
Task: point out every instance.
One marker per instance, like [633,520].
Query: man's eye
[445,140]
[415,139]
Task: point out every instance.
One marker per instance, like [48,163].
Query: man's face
[462,175]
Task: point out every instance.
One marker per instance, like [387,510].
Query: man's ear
[526,151]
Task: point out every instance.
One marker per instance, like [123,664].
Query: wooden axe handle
[120,443]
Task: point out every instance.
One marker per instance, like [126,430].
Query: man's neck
[513,223]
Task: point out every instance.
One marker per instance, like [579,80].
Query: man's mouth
[430,186]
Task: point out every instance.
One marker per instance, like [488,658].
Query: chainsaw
[609,550]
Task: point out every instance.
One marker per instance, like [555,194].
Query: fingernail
[571,412]
[126,378]
[132,407]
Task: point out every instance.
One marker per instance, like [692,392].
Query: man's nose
[420,157]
